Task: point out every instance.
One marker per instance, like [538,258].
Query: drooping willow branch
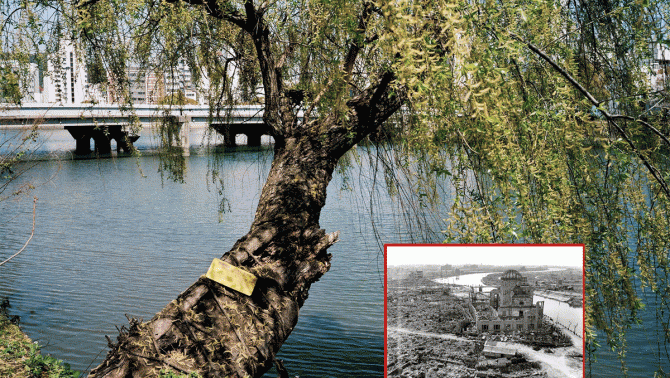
[29,239]
[610,117]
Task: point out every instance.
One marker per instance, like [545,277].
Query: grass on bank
[20,357]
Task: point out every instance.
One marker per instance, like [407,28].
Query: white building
[32,88]
[180,79]
[66,79]
[146,87]
[66,82]
[660,68]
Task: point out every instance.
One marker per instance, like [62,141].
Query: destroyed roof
[512,275]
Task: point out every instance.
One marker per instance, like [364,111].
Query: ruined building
[511,307]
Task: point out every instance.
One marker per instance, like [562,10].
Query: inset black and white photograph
[503,311]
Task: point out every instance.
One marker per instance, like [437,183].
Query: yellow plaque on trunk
[231,276]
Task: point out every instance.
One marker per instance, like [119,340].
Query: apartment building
[66,78]
[146,87]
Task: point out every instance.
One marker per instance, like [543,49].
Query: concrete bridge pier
[185,134]
[82,137]
[102,141]
[228,136]
[124,139]
[178,132]
[253,139]
[227,132]
[252,131]
[102,138]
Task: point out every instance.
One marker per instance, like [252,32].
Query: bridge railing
[86,115]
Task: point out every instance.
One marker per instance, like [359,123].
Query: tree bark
[218,332]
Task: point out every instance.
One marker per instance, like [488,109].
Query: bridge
[104,123]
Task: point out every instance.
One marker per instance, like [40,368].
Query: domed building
[512,305]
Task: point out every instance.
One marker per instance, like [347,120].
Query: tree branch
[350,60]
[29,239]
[610,118]
[223,11]
[308,112]
[367,112]
[560,70]
[213,8]
[281,370]
[645,124]
[359,38]
[651,168]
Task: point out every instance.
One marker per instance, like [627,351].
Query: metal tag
[231,276]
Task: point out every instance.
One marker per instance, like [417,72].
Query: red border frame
[486,245]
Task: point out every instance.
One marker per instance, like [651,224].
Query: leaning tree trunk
[218,332]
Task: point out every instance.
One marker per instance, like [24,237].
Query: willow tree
[552,126]
[312,57]
[539,113]
[19,60]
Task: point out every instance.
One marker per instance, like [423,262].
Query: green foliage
[527,161]
[10,90]
[96,69]
[23,37]
[20,357]
[177,98]
[166,373]
[16,149]
[172,162]
[23,48]
[39,364]
[500,99]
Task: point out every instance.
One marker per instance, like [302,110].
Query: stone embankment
[573,299]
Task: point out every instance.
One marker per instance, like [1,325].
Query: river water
[113,238]
[647,351]
[474,279]
[569,317]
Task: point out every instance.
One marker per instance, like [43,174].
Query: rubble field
[430,333]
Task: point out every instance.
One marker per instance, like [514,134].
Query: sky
[487,255]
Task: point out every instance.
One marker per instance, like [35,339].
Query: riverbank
[20,357]
[15,347]
[572,299]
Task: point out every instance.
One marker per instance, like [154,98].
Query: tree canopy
[548,118]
